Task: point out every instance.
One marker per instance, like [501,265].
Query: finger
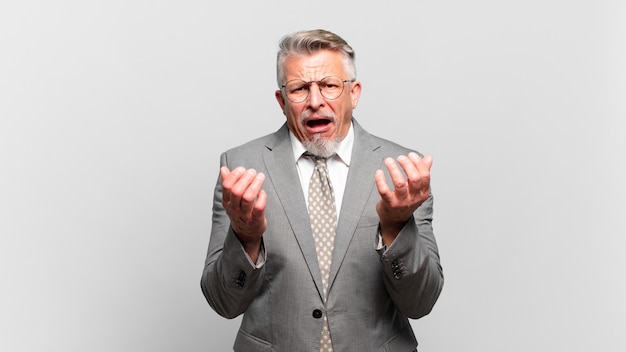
[428,161]
[230,178]
[227,182]
[258,212]
[224,172]
[423,164]
[383,188]
[239,189]
[252,191]
[412,173]
[399,183]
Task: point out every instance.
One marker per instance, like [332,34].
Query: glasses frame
[317,82]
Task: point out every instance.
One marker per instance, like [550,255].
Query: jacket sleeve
[412,271]
[229,281]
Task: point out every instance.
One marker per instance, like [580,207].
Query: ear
[280,99]
[355,93]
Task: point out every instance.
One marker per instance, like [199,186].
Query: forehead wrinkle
[314,72]
[312,68]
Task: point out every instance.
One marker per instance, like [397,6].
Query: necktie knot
[315,158]
[320,163]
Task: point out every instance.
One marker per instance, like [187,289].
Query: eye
[331,83]
[297,87]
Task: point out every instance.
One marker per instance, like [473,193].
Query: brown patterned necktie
[323,216]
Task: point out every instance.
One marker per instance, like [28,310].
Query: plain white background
[113,115]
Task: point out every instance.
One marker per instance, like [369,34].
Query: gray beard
[322,147]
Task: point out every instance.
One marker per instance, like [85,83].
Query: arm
[413,274]
[412,270]
[230,281]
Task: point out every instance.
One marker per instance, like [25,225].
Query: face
[317,118]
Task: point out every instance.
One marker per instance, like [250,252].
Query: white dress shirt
[338,166]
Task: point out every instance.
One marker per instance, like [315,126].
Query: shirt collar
[344,152]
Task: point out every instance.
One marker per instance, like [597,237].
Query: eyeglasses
[298,90]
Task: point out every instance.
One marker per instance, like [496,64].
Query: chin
[322,147]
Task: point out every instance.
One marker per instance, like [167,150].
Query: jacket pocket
[367,221]
[403,341]
[244,342]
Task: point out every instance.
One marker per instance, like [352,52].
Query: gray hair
[310,42]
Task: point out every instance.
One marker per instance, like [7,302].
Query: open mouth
[319,124]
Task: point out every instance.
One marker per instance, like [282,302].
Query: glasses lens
[331,87]
[297,90]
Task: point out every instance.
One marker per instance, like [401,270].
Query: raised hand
[244,202]
[396,207]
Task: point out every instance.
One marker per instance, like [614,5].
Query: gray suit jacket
[371,293]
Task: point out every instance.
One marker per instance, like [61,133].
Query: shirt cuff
[380,246]
[260,260]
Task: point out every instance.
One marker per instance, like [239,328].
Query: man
[317,264]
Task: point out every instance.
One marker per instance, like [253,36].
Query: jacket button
[317,314]
[240,279]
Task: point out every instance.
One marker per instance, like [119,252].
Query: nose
[316,99]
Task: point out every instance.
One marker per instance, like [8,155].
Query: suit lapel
[283,175]
[359,185]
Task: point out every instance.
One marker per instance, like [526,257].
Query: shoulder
[258,145]
[378,144]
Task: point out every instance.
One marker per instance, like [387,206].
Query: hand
[396,207]
[244,202]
